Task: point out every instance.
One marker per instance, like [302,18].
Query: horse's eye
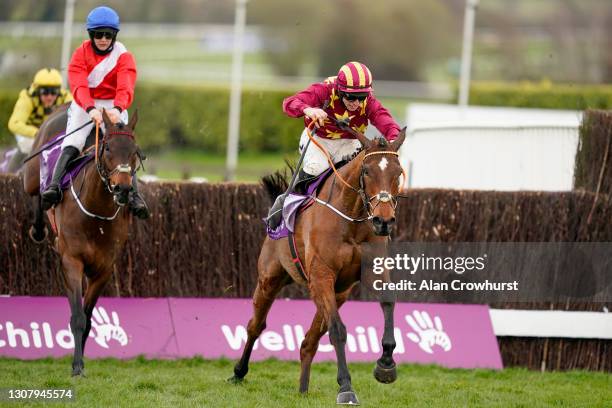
[365,172]
[106,148]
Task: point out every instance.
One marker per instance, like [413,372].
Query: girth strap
[295,257]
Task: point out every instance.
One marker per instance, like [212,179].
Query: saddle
[296,203]
[49,157]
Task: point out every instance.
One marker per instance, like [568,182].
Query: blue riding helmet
[103,17]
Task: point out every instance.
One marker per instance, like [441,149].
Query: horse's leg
[310,344]
[94,289]
[38,231]
[271,280]
[73,275]
[309,347]
[385,371]
[323,294]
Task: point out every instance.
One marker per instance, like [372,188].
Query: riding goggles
[99,34]
[49,90]
[354,96]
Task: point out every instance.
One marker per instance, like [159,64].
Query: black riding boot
[16,162]
[275,214]
[136,202]
[53,194]
[302,182]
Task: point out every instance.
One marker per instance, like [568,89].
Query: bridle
[106,175]
[380,197]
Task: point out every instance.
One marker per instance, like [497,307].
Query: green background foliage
[197,117]
[545,95]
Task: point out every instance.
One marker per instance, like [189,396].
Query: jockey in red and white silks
[102,75]
[98,81]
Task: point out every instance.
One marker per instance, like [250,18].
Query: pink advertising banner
[448,335]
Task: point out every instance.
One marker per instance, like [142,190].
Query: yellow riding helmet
[47,77]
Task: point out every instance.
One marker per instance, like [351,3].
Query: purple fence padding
[448,335]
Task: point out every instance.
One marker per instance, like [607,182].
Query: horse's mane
[277,183]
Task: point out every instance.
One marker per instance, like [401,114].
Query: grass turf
[198,382]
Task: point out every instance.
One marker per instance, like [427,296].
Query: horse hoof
[235,380]
[78,372]
[347,398]
[385,375]
[36,235]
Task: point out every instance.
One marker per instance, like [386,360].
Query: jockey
[32,108]
[102,75]
[346,98]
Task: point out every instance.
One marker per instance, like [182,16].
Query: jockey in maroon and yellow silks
[326,93]
[345,100]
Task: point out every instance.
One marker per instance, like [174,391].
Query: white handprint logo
[105,329]
[427,335]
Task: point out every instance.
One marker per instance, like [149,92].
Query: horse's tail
[277,183]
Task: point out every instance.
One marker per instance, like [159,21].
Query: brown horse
[91,221]
[329,247]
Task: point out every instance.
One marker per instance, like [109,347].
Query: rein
[56,141]
[88,213]
[329,160]
[340,213]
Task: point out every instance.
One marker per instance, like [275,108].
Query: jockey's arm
[19,118]
[77,77]
[382,120]
[312,97]
[126,82]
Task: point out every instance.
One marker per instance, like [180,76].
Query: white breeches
[77,117]
[315,161]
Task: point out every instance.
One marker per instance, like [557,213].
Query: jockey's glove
[114,115]
[316,114]
[95,115]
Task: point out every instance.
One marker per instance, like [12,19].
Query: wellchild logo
[103,329]
[425,333]
[43,335]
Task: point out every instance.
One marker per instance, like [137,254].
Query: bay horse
[91,221]
[329,247]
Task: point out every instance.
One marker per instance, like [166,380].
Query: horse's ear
[133,119]
[107,122]
[365,142]
[397,143]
